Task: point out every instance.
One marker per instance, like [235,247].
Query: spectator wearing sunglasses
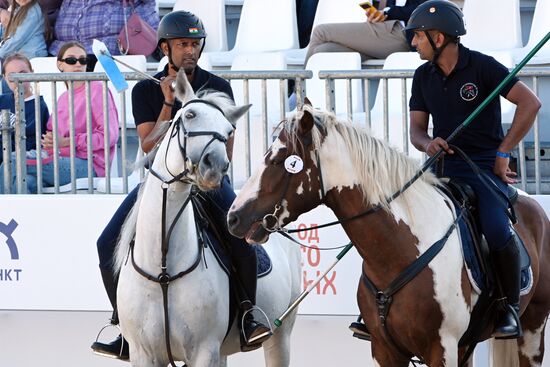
[24,29]
[19,63]
[72,58]
[86,20]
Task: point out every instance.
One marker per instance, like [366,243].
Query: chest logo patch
[468,91]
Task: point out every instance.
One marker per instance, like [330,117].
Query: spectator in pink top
[72,58]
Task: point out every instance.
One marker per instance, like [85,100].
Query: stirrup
[257,341]
[110,324]
[508,309]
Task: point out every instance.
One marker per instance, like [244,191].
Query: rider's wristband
[503,155]
[168,104]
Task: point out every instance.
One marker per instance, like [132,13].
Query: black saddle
[477,258]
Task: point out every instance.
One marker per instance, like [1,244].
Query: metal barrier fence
[371,98]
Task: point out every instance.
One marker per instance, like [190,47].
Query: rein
[164,278]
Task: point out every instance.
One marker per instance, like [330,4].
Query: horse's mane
[381,169]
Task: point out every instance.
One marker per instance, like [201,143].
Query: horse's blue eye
[189,115]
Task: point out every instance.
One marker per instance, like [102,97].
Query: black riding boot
[359,329]
[507,268]
[253,333]
[118,348]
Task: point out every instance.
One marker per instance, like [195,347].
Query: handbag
[137,37]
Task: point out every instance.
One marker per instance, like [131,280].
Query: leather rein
[164,278]
[271,223]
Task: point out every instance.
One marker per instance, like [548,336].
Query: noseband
[177,128]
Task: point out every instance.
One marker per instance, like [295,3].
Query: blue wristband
[503,155]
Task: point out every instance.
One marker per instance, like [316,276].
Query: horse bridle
[164,278]
[271,222]
[177,128]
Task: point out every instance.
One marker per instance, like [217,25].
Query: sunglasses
[73,60]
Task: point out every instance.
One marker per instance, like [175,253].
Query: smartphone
[365,5]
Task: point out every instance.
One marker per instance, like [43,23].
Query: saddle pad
[473,267]
[264,262]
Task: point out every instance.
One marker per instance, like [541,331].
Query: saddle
[215,236]
[477,258]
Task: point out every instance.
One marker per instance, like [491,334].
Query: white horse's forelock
[380,169]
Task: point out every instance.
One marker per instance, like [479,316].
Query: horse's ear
[234,113]
[306,123]
[183,90]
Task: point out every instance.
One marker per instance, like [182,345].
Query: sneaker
[118,349]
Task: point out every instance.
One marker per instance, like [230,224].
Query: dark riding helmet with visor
[440,15]
[181,24]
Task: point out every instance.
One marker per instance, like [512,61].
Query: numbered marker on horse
[294,164]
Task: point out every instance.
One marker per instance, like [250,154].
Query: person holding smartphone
[381,34]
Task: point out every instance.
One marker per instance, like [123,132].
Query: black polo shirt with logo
[147,96]
[451,99]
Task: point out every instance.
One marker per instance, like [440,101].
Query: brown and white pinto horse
[352,172]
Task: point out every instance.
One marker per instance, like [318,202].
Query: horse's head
[195,146]
[287,184]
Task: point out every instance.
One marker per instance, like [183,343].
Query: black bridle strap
[164,279]
[384,298]
[207,103]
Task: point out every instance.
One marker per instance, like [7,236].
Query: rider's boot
[359,329]
[118,348]
[253,333]
[507,268]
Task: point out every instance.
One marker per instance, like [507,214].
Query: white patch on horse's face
[428,221]
[285,213]
[251,188]
[531,345]
[300,189]
[337,172]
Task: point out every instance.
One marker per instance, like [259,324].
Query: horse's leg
[208,355]
[223,361]
[531,345]
[385,357]
[140,358]
[277,348]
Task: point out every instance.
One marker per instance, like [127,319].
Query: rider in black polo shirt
[181,37]
[449,87]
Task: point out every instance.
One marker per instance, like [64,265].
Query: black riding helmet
[180,24]
[441,15]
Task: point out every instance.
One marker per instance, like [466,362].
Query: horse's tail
[127,235]
[503,353]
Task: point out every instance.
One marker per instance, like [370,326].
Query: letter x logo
[7,230]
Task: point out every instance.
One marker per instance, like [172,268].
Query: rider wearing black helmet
[450,87]
[181,38]
[443,16]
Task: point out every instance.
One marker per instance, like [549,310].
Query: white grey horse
[193,151]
